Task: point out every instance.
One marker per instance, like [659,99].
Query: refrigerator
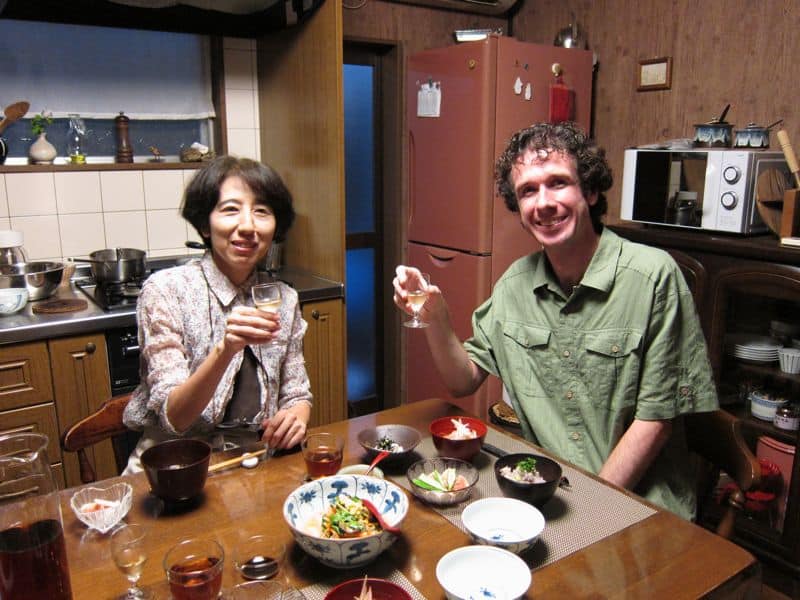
[464,102]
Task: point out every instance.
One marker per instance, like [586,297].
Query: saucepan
[754,136]
[116,265]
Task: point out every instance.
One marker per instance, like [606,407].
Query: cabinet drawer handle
[90,348]
[315,314]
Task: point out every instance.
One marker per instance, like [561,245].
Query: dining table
[600,541]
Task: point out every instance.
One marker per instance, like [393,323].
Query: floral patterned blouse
[181,314]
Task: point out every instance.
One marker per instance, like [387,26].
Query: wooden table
[660,556]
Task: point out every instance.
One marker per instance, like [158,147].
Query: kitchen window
[163,82]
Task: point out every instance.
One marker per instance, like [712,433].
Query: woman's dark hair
[202,193]
[594,174]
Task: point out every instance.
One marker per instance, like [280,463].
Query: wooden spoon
[14,112]
[377,514]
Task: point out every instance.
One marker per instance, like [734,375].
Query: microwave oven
[702,188]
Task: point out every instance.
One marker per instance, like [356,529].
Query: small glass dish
[102,508]
[437,497]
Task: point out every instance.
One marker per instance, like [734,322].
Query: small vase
[42,152]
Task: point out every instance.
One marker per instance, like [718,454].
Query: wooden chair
[718,438]
[105,423]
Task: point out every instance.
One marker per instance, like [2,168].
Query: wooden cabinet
[741,286]
[47,386]
[324,351]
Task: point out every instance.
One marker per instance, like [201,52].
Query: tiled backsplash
[75,213]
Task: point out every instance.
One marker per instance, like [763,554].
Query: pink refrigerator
[464,103]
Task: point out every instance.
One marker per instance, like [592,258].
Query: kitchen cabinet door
[82,383]
[324,351]
[24,375]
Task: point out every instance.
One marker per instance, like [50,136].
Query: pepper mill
[124,150]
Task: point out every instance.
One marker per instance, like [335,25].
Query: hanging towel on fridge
[562,102]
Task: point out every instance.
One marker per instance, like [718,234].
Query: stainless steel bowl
[40,278]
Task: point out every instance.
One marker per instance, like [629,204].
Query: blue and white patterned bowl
[483,573]
[503,522]
[304,507]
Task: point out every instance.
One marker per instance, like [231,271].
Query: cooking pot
[754,136]
[717,133]
[116,265]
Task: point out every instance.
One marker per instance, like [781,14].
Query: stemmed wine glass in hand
[129,554]
[267,297]
[417,296]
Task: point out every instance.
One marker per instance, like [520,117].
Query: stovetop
[110,298]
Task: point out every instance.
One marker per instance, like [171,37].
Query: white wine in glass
[129,554]
[417,298]
[267,296]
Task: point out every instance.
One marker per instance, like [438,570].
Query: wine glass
[267,297]
[416,298]
[129,554]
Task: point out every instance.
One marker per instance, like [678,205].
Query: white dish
[503,522]
[483,572]
[12,300]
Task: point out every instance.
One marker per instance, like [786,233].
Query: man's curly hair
[568,139]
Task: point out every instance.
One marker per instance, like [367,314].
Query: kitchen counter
[27,326]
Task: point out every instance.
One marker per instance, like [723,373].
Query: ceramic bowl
[177,469]
[463,449]
[403,435]
[503,522]
[483,572]
[304,507]
[361,469]
[428,465]
[764,405]
[789,359]
[102,508]
[381,589]
[13,300]
[537,494]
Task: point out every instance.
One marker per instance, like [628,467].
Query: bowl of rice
[528,477]
[458,437]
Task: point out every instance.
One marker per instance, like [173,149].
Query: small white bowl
[360,469]
[483,572]
[503,522]
[102,508]
[789,359]
[763,406]
[12,300]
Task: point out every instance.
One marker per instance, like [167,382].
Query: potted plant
[41,152]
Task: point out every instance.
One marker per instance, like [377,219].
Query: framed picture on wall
[655,74]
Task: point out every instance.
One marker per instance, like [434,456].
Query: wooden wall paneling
[302,134]
[418,27]
[722,51]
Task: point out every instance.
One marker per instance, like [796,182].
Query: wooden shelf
[136,166]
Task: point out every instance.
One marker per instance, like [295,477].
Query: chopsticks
[231,462]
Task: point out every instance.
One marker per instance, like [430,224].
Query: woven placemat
[575,517]
[317,591]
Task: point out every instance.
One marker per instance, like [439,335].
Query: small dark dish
[462,449]
[534,493]
[428,465]
[405,436]
[385,590]
[177,469]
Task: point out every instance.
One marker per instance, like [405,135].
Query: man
[596,338]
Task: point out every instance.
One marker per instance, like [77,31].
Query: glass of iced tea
[323,454]
[194,569]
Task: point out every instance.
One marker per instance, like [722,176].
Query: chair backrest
[717,437]
[105,423]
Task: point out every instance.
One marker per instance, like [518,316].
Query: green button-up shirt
[625,344]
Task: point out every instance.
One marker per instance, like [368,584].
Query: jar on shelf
[76,140]
[11,250]
[787,417]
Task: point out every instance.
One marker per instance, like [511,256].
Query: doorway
[374,203]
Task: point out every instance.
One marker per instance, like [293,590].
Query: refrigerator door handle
[440,257]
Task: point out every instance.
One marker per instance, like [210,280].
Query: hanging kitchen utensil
[717,133]
[754,136]
[13,112]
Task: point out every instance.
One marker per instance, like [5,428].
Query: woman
[207,361]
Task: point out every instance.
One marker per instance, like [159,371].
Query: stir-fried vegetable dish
[347,517]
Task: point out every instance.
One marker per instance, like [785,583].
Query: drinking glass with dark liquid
[322,453]
[194,569]
[33,556]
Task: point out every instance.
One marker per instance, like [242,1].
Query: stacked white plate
[754,348]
